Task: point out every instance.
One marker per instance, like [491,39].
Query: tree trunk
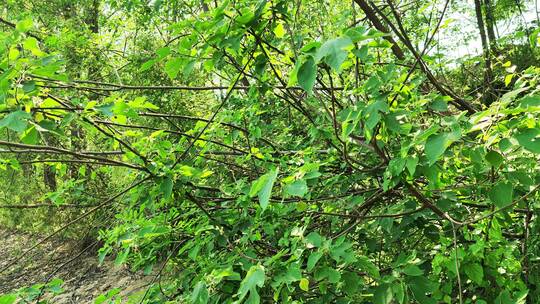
[487,91]
[490,24]
[372,17]
[49,177]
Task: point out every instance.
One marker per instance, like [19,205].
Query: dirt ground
[84,280]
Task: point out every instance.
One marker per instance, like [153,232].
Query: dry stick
[211,120]
[363,208]
[119,140]
[171,132]
[117,87]
[79,161]
[372,16]
[501,209]
[33,206]
[84,153]
[427,42]
[108,201]
[457,101]
[13,25]
[158,275]
[375,216]
[160,115]
[38,148]
[230,125]
[425,201]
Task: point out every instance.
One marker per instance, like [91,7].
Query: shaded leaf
[501,194]
[307,73]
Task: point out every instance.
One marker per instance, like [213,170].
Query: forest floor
[84,279]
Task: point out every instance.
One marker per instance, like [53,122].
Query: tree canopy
[273,151]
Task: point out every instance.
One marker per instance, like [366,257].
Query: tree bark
[490,23]
[372,17]
[487,91]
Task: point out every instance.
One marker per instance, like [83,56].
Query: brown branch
[13,25]
[47,149]
[34,206]
[426,203]
[372,16]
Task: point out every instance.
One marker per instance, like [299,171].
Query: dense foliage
[278,151]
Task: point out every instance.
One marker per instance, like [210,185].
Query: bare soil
[76,264]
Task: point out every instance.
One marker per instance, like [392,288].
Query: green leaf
[411,164]
[8,299]
[254,278]
[122,257]
[166,187]
[412,270]
[351,283]
[333,53]
[399,292]
[356,34]
[148,64]
[262,187]
[31,44]
[30,136]
[173,66]
[504,298]
[199,294]
[368,266]
[16,121]
[304,284]
[494,158]
[327,272]
[501,194]
[314,239]
[383,294]
[529,139]
[246,17]
[24,25]
[475,272]
[313,258]
[279,30]
[437,144]
[297,188]
[440,103]
[307,73]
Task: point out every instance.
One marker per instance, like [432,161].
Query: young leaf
[8,299]
[173,66]
[279,30]
[304,284]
